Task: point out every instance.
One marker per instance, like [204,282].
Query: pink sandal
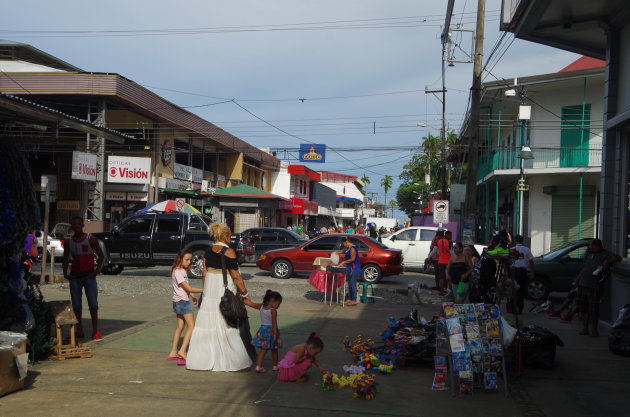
[260,369]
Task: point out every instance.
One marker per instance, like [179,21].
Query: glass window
[427,234]
[253,234]
[324,243]
[168,225]
[578,253]
[197,224]
[407,235]
[269,236]
[362,246]
[138,225]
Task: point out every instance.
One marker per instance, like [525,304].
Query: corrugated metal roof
[584,62]
[139,98]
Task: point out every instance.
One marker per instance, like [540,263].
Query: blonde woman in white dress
[214,346]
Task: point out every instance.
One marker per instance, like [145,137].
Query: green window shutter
[574,136]
[564,218]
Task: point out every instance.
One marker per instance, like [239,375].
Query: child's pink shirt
[179,294]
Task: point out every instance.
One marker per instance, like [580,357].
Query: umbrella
[170,205]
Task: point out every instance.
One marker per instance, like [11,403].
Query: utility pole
[473,144]
[445,39]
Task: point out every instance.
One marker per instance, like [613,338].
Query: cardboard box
[13,362]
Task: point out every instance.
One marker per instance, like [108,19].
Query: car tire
[538,289]
[112,269]
[282,269]
[371,273]
[196,269]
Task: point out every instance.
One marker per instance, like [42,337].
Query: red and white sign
[83,166]
[137,197]
[440,211]
[180,203]
[115,196]
[129,170]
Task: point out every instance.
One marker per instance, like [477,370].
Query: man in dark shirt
[589,293]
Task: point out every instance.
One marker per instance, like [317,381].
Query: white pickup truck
[415,242]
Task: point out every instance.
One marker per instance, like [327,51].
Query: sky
[349,74]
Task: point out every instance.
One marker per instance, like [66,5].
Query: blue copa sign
[312,153]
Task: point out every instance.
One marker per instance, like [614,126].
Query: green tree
[365,179]
[386,183]
[421,175]
[392,204]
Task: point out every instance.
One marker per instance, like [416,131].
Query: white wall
[346,189]
[540,204]
[281,182]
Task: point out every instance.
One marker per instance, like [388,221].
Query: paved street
[129,376]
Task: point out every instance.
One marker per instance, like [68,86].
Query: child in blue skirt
[267,337]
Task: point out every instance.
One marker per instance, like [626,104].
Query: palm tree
[386,183]
[365,179]
[392,204]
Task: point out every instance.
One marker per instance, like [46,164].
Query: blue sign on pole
[312,153]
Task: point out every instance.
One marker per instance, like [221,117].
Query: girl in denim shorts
[182,305]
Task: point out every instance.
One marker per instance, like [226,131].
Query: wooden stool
[64,315]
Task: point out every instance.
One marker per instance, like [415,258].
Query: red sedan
[377,260]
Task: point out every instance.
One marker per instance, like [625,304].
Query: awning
[302,170]
[356,200]
[242,191]
[183,192]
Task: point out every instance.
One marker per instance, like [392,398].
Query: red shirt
[444,249]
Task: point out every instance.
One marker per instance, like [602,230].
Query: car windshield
[555,253]
[375,242]
[295,235]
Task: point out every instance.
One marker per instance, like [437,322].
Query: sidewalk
[129,376]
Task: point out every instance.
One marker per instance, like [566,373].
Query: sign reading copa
[312,153]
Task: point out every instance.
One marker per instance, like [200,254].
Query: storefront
[298,212]
[127,187]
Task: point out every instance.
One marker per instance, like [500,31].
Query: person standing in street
[589,289]
[444,256]
[82,247]
[523,262]
[352,263]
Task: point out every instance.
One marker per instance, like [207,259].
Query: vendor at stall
[352,263]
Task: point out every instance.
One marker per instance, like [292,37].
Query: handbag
[231,305]
[461,287]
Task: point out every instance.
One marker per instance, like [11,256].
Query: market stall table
[326,281]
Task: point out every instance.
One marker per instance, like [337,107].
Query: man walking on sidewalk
[589,287]
[82,247]
[524,261]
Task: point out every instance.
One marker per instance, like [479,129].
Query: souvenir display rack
[469,346]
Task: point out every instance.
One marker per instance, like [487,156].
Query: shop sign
[115,196]
[137,197]
[69,205]
[175,184]
[220,177]
[197,175]
[130,170]
[182,172]
[369,211]
[83,166]
[167,152]
[312,153]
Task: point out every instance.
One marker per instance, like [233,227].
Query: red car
[377,260]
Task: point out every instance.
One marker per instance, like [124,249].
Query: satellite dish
[334,257]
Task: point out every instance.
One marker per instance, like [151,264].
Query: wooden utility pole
[473,144]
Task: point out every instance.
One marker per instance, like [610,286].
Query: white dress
[214,345]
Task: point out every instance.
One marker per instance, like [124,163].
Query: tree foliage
[386,183]
[415,188]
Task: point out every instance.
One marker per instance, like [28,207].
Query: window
[362,246]
[324,243]
[197,224]
[577,254]
[168,225]
[268,236]
[253,234]
[407,235]
[427,234]
[138,225]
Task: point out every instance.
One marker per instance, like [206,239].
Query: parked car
[377,260]
[151,239]
[415,243]
[52,243]
[61,231]
[256,241]
[556,270]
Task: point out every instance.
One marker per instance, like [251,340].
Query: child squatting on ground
[182,305]
[299,359]
[267,337]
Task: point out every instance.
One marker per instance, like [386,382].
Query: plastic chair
[365,298]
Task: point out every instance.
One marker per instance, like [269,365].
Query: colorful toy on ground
[366,387]
[328,383]
[385,369]
[353,369]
